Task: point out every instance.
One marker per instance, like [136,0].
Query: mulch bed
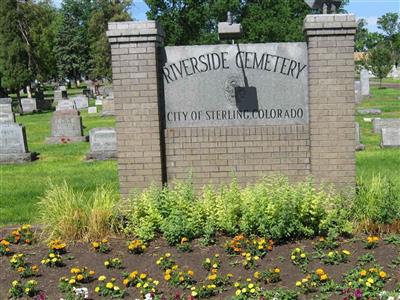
[82,254]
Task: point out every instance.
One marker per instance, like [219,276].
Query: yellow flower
[251,286]
[293,257]
[109,285]
[102,278]
[91,273]
[302,255]
[304,280]
[277,270]
[181,278]
[106,263]
[190,273]
[298,283]
[143,276]
[104,241]
[346,252]
[215,266]
[382,274]
[256,257]
[138,285]
[324,277]
[116,288]
[51,255]
[15,283]
[252,290]
[97,289]
[319,272]
[256,275]
[212,277]
[370,280]
[363,273]
[79,277]
[75,270]
[126,281]
[236,284]
[71,281]
[167,254]
[244,290]
[167,277]
[194,293]
[238,292]
[368,284]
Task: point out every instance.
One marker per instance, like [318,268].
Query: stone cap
[330,24]
[66,112]
[101,129]
[135,31]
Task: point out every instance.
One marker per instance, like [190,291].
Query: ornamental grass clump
[76,216]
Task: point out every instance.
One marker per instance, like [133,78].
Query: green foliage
[15,61]
[379,61]
[389,23]
[273,208]
[377,202]
[70,215]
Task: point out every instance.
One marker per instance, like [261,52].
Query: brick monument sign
[245,109]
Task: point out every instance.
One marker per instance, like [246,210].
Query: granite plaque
[28,105]
[5,105]
[390,137]
[7,117]
[13,148]
[236,85]
[103,143]
[357,90]
[382,123]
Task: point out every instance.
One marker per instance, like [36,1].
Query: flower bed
[234,268]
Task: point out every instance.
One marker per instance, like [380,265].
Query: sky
[370,10]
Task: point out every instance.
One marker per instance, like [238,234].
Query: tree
[390,25]
[379,62]
[100,52]
[72,46]
[361,36]
[15,60]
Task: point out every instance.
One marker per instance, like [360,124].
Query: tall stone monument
[248,109]
[364,79]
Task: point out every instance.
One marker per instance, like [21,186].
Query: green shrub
[272,208]
[69,215]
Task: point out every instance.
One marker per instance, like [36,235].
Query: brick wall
[332,97]
[212,154]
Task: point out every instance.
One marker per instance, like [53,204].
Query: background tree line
[40,42]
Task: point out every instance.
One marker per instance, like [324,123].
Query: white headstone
[384,123]
[108,107]
[66,126]
[364,78]
[65,105]
[390,137]
[359,146]
[80,101]
[5,105]
[98,102]
[28,105]
[13,147]
[103,143]
[92,110]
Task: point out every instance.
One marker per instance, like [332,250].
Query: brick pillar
[134,48]
[332,98]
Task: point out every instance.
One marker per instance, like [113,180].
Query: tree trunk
[19,101]
[380,82]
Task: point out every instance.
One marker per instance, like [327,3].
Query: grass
[22,185]
[375,160]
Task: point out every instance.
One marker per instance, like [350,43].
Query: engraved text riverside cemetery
[225,85]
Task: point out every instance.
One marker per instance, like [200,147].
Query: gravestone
[364,78]
[369,111]
[66,126]
[390,137]
[357,90]
[81,102]
[28,105]
[57,96]
[108,107]
[368,120]
[13,146]
[92,110]
[6,114]
[378,124]
[98,101]
[103,143]
[62,88]
[359,146]
[65,105]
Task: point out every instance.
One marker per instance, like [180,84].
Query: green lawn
[374,159]
[22,185]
